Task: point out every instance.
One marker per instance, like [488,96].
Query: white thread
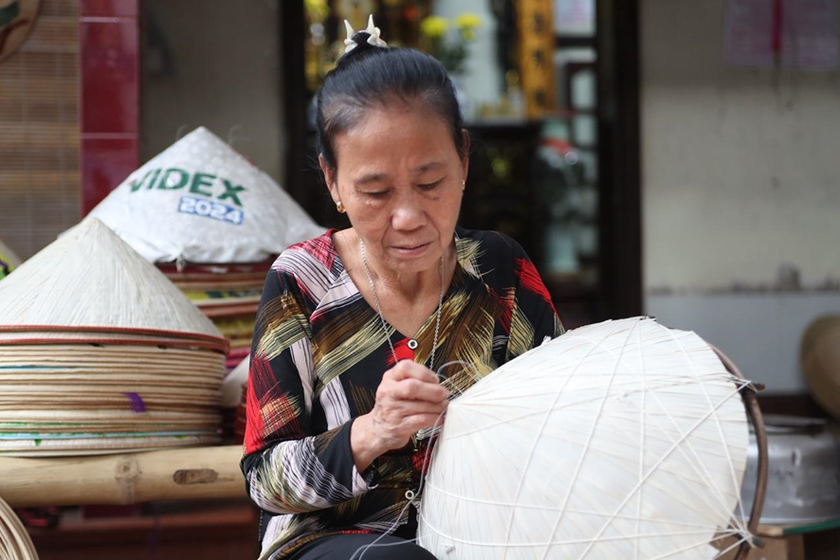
[536,440]
[731,379]
[490,544]
[642,417]
[589,443]
[431,431]
[717,424]
[653,469]
[414,495]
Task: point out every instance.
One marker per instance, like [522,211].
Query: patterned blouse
[318,356]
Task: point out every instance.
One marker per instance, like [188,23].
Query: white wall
[741,167]
[225,73]
[741,175]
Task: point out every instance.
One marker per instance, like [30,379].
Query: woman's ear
[329,177]
[465,160]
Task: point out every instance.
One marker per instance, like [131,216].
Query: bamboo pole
[178,474]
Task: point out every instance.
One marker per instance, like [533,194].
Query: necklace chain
[382,317]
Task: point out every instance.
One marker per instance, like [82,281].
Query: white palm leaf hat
[200,201]
[620,440]
[100,352]
[90,281]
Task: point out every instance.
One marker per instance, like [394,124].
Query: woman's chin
[414,259]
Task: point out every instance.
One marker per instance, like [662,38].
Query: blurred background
[667,157]
[674,158]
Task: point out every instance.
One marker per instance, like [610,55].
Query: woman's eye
[429,186]
[376,194]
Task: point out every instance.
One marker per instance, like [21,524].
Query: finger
[409,391]
[418,422]
[413,389]
[400,410]
[406,369]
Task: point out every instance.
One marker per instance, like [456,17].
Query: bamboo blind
[39,132]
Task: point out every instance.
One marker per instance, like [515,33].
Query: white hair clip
[372,31]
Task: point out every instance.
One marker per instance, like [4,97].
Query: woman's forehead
[382,140]
[400,120]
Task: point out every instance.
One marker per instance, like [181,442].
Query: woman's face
[401,179]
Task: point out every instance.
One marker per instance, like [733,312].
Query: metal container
[803,485]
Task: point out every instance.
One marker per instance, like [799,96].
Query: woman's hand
[409,398]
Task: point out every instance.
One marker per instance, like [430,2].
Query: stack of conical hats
[100,352]
[8,260]
[213,222]
[229,295]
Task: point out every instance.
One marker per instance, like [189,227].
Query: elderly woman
[354,325]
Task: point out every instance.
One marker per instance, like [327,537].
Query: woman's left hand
[409,398]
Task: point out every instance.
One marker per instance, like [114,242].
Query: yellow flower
[434,27]
[467,24]
[467,21]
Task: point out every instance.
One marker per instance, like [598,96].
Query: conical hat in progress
[8,260]
[91,279]
[618,440]
[200,201]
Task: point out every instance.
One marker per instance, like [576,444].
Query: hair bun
[363,37]
[361,40]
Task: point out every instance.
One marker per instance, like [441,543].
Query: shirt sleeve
[287,468]
[534,318]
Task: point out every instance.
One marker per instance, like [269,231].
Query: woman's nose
[408,215]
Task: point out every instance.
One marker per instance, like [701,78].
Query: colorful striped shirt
[318,355]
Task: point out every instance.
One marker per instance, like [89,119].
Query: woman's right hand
[409,398]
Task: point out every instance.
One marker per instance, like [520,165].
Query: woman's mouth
[410,250]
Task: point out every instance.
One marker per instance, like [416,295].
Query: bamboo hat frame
[580,406]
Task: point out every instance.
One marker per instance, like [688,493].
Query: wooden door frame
[619,135]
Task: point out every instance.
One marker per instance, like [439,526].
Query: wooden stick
[178,474]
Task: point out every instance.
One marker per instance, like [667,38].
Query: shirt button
[412,344]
